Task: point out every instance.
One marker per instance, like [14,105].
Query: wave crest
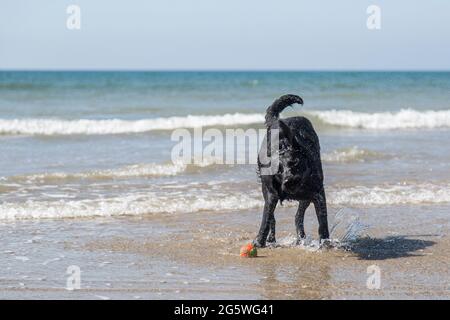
[115,126]
[351,154]
[130,171]
[426,193]
[403,119]
[182,202]
[124,205]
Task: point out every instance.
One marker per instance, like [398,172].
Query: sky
[225,35]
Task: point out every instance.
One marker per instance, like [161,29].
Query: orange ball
[248,251]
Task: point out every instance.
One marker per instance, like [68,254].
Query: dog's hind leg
[320,204]
[268,218]
[302,206]
[271,237]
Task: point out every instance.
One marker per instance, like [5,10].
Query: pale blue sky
[225,35]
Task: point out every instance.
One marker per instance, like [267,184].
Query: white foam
[136,170]
[426,193]
[183,202]
[116,126]
[308,244]
[125,205]
[351,154]
[403,119]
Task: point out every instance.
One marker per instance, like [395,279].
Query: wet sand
[196,256]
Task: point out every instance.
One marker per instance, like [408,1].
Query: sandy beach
[196,256]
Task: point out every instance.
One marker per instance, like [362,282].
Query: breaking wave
[130,171]
[182,202]
[403,119]
[426,193]
[124,205]
[115,126]
[351,154]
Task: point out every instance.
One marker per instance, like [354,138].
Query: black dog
[299,176]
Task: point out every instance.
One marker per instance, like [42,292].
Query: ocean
[91,152]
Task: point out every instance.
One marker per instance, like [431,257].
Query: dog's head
[294,161]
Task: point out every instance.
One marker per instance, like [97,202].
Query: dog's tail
[273,112]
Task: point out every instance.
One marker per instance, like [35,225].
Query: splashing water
[351,225]
[346,229]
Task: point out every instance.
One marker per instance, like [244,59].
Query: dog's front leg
[268,219]
[320,205]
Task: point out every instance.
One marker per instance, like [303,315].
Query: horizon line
[214,70]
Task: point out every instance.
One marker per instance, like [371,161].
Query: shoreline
[194,255]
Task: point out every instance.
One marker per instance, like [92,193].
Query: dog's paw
[326,244]
[271,239]
[258,244]
[300,241]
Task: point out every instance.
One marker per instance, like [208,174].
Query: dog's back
[304,132]
[296,134]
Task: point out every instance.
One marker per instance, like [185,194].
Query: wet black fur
[300,175]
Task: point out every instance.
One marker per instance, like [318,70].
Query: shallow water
[86,179]
[196,255]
